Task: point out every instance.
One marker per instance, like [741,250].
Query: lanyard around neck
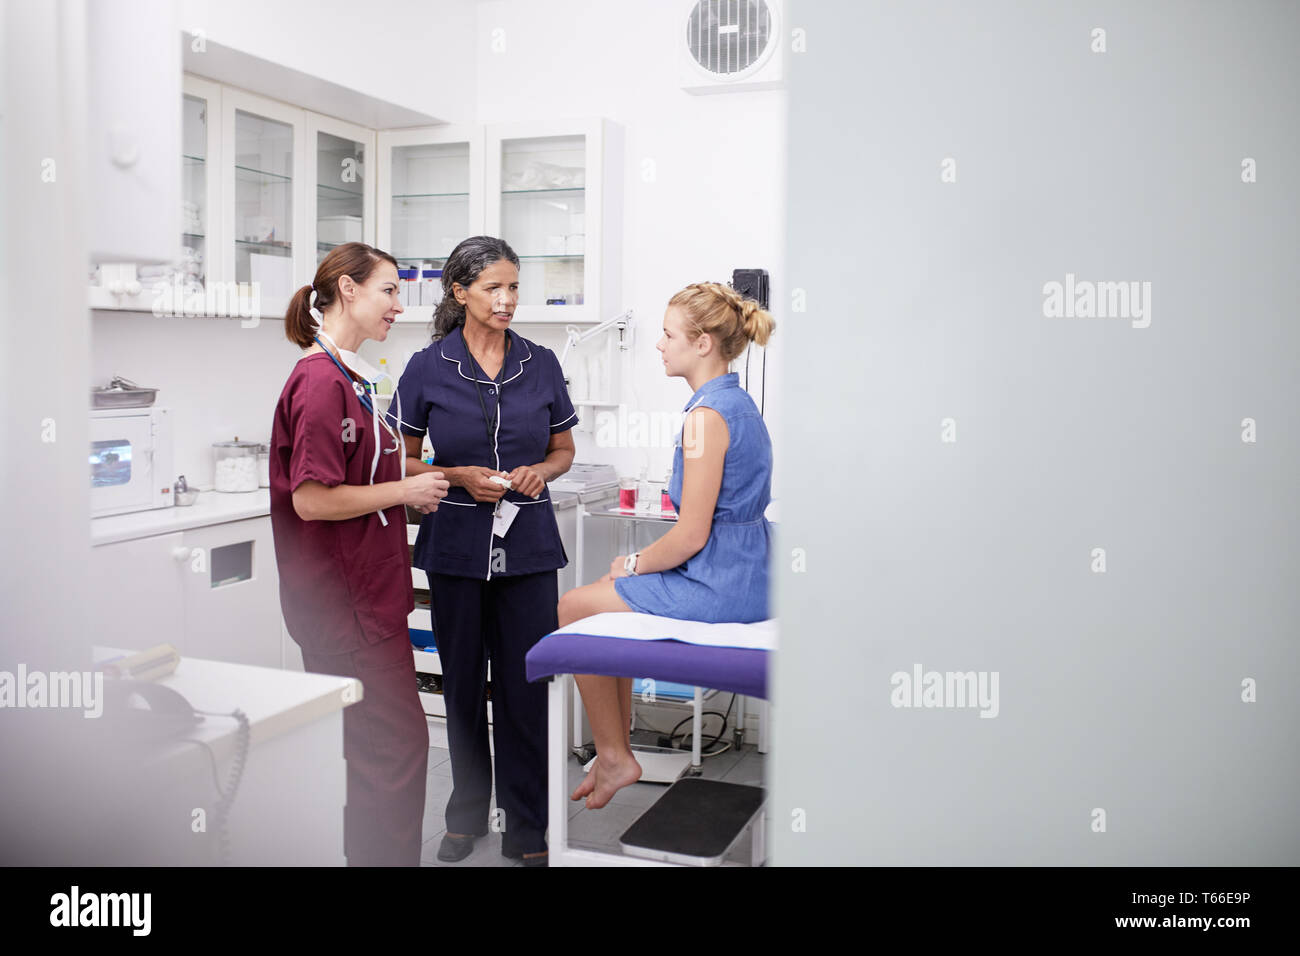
[362,395]
[488,423]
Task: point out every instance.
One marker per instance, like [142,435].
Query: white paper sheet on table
[760,635]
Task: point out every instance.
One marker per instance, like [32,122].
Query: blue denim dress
[727,579]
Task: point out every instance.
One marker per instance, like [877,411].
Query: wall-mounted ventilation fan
[731,45]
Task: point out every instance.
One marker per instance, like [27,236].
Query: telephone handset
[148,709]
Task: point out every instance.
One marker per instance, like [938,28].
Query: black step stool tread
[695,821]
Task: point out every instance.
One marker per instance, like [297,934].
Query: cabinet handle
[180,554]
[123,147]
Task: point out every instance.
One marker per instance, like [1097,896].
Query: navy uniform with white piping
[493,598]
[527,403]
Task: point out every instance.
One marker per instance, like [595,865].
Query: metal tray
[122,393]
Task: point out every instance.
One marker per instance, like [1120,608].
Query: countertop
[213,507]
[275,701]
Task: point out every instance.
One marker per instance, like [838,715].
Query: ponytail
[755,322]
[299,326]
[449,312]
[355,259]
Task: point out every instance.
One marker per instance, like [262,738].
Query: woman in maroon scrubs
[338,492]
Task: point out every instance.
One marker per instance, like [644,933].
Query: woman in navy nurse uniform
[494,405]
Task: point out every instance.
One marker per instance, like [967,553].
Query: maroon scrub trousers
[345,590]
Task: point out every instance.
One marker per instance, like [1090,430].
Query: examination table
[696,821]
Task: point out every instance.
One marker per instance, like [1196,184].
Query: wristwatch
[629,563]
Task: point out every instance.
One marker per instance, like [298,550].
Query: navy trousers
[386,744]
[476,622]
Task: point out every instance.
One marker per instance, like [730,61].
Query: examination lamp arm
[575,337]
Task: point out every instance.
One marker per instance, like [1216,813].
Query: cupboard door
[232,593]
[200,183]
[137,593]
[553,193]
[430,198]
[133,86]
[341,196]
[264,167]
[176,286]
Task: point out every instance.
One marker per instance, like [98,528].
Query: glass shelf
[264,244]
[338,191]
[275,178]
[558,189]
[430,196]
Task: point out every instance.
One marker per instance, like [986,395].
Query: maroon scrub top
[341,582]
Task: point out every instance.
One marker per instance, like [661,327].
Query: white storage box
[338,229]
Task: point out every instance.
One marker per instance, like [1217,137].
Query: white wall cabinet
[552,189]
[554,192]
[267,190]
[430,197]
[177,287]
[133,129]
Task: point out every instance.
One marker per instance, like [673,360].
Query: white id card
[505,514]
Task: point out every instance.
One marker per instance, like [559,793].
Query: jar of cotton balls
[235,465]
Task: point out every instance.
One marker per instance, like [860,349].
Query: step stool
[696,822]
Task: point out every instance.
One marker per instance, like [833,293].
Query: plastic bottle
[407,280]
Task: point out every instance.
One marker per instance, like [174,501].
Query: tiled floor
[589,829]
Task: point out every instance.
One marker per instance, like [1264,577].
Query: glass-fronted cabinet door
[340,199]
[264,166]
[549,196]
[430,198]
[200,183]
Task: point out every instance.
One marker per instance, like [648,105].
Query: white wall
[409,52]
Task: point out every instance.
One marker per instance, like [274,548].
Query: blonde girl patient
[712,565]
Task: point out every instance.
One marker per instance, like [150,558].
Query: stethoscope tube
[363,396]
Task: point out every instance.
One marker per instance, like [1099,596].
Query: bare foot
[607,777]
[588,784]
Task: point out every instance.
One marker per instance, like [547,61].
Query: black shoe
[528,860]
[453,849]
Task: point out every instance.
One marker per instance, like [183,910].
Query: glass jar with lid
[235,465]
[264,465]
